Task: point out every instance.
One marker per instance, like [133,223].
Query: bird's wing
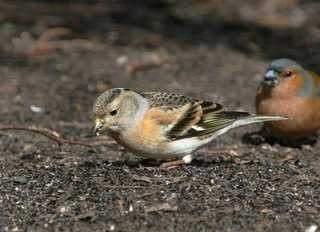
[184,117]
[170,110]
[168,100]
[187,117]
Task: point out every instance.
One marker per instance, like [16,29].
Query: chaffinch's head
[286,77]
[281,70]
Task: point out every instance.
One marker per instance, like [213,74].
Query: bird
[164,126]
[291,91]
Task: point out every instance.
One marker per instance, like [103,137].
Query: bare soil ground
[50,78]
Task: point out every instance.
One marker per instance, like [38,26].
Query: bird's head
[281,70]
[116,110]
[285,77]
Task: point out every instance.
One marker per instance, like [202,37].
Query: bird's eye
[113,112]
[288,74]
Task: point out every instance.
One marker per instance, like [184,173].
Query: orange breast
[149,135]
[303,114]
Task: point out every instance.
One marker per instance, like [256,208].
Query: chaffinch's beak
[98,125]
[270,78]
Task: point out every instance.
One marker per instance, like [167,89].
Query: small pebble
[112,227]
[36,109]
[312,228]
[122,60]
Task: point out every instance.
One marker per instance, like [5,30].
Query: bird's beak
[270,78]
[98,125]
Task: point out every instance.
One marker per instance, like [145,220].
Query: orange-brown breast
[149,134]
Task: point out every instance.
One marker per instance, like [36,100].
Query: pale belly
[165,150]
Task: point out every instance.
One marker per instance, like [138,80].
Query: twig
[40,47]
[55,136]
[55,33]
[50,41]
[149,61]
[8,88]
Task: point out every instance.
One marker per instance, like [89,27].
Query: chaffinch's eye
[288,74]
[113,112]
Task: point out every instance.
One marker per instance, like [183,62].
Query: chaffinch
[291,91]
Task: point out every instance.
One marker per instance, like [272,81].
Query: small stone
[122,60]
[63,209]
[312,228]
[112,227]
[36,109]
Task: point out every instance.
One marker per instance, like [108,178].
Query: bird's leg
[174,164]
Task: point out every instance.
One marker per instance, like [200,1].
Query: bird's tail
[235,119]
[215,122]
[244,118]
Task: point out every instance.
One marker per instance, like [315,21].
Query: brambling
[289,90]
[164,126]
